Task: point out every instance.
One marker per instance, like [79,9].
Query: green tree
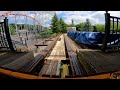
[115,26]
[18,26]
[87,26]
[12,29]
[55,25]
[100,27]
[45,34]
[80,26]
[70,25]
[62,26]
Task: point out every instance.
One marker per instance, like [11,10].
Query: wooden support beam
[107,31]
[8,34]
[40,45]
[48,40]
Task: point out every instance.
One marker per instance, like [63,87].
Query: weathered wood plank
[44,68]
[99,61]
[57,54]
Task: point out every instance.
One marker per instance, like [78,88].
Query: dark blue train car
[72,34]
[89,38]
[92,38]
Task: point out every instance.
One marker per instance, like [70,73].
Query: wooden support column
[107,31]
[8,34]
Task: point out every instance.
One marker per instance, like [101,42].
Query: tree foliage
[45,34]
[63,26]
[80,26]
[12,29]
[87,26]
[84,26]
[100,27]
[55,25]
[115,26]
[58,26]
[70,25]
[31,28]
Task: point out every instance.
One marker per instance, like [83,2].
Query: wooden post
[26,42]
[107,31]
[94,29]
[26,34]
[61,69]
[8,34]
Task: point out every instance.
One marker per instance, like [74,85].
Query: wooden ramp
[14,60]
[53,61]
[103,62]
[58,52]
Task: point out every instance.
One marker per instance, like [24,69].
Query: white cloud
[41,16]
[78,16]
[59,12]
[114,13]
[99,17]
[96,17]
[47,25]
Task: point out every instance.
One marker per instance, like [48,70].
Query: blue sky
[96,17]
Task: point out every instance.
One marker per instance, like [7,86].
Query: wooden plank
[58,51]
[17,64]
[76,70]
[11,58]
[97,60]
[41,45]
[49,68]
[87,66]
[113,58]
[54,68]
[5,71]
[23,76]
[2,53]
[49,40]
[58,66]
[5,56]
[57,54]
[44,68]
[102,76]
[73,44]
